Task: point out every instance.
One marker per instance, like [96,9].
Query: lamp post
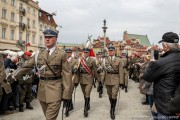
[104,30]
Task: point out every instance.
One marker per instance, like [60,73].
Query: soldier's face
[111,53]
[86,54]
[69,54]
[50,41]
[100,56]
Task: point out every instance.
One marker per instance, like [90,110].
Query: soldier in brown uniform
[73,63]
[101,72]
[25,85]
[113,76]
[53,71]
[2,75]
[124,82]
[86,78]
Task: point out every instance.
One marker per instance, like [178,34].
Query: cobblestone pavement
[129,107]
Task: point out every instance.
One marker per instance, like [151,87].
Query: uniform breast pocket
[116,66]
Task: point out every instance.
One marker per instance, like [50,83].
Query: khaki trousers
[112,91]
[126,79]
[86,89]
[51,110]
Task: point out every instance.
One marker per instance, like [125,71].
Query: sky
[80,18]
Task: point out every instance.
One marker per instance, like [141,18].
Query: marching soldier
[2,75]
[124,82]
[114,74]
[25,85]
[73,63]
[101,72]
[87,71]
[53,70]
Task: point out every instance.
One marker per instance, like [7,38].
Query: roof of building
[143,39]
[44,17]
[101,39]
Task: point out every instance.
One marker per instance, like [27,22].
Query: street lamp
[104,30]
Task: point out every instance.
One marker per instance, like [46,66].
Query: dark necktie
[48,53]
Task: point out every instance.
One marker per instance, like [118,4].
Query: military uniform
[25,87]
[2,75]
[101,73]
[86,79]
[73,66]
[124,81]
[113,76]
[53,71]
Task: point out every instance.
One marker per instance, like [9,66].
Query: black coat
[165,73]
[174,104]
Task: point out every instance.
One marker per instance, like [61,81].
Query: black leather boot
[86,107]
[110,101]
[100,91]
[71,107]
[113,106]
[21,108]
[28,106]
[67,106]
[126,89]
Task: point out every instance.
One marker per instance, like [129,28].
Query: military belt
[50,78]
[84,72]
[113,72]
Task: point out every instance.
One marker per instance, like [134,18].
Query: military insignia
[55,67]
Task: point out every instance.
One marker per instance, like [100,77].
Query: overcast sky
[79,18]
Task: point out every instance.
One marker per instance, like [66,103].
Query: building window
[12,35]
[28,22]
[4,13]
[41,40]
[40,14]
[20,35]
[34,12]
[21,6]
[34,23]
[27,38]
[49,18]
[3,33]
[41,27]
[33,39]
[28,9]
[45,27]
[13,2]
[20,19]
[12,16]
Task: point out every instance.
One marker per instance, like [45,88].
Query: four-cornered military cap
[68,50]
[86,50]
[170,37]
[100,52]
[111,48]
[28,53]
[50,32]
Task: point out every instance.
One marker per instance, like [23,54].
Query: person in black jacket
[165,74]
[174,104]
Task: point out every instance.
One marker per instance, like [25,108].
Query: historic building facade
[24,21]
